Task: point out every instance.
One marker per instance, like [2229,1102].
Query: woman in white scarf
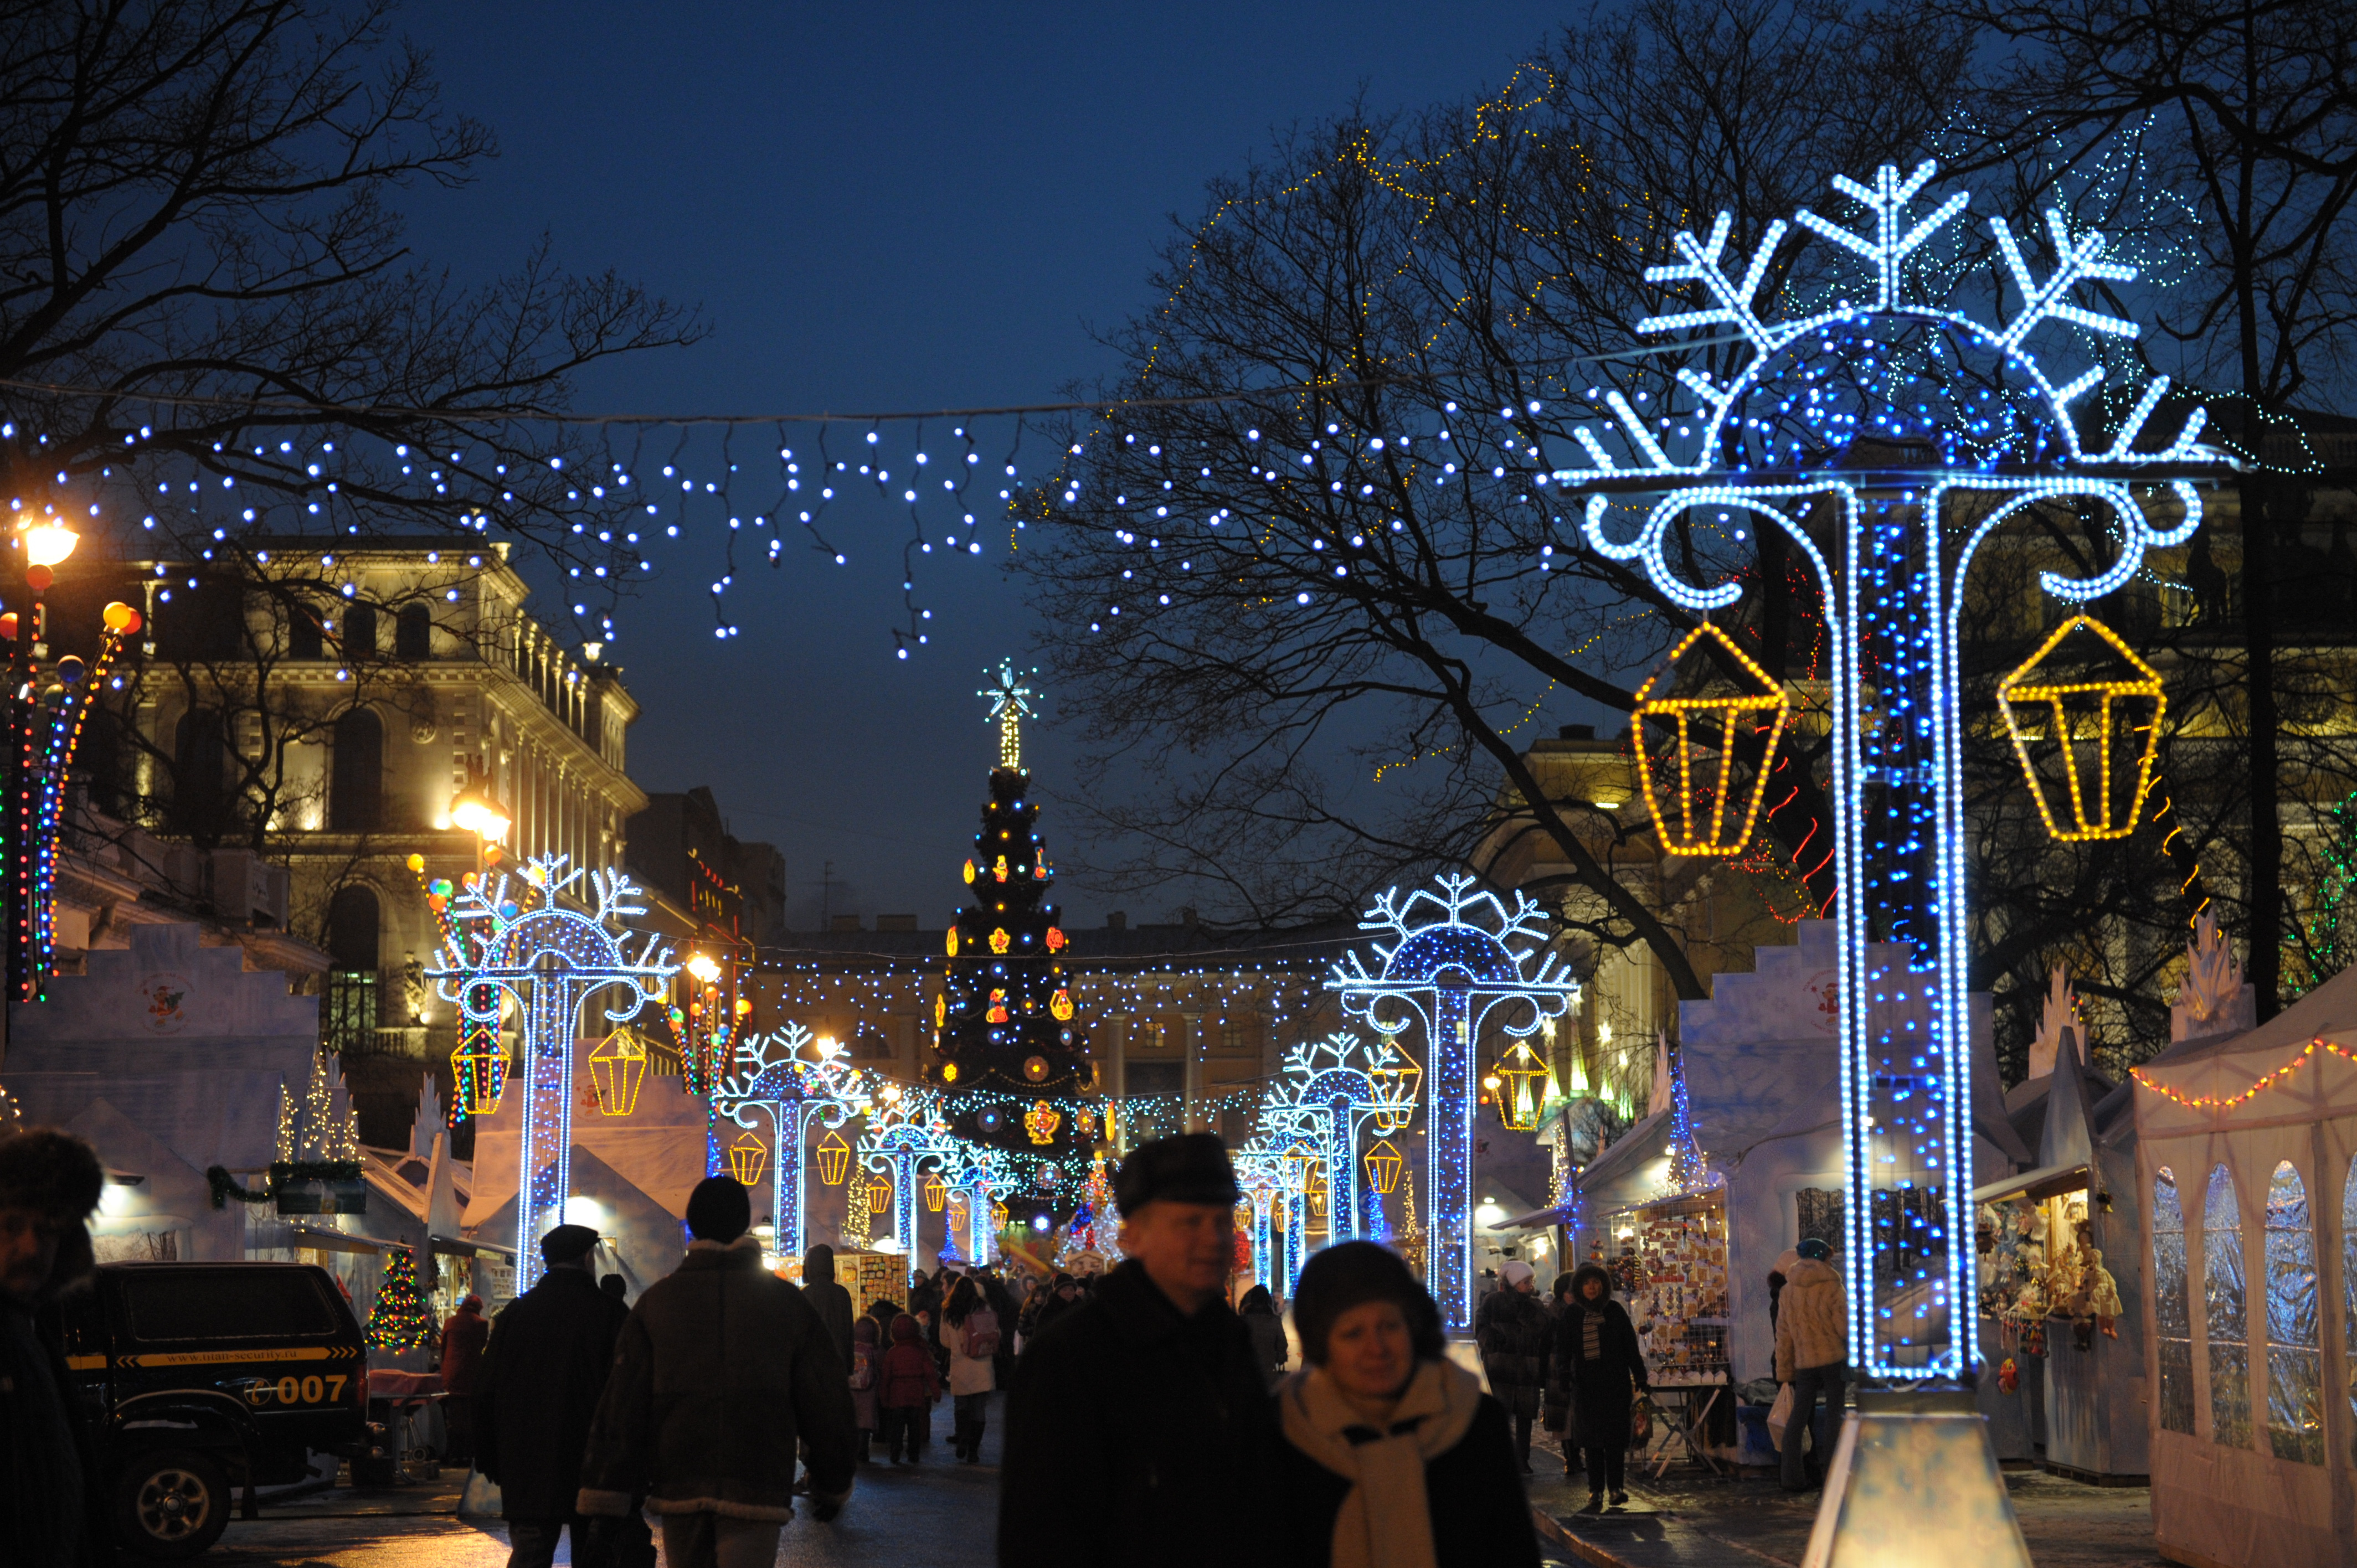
[1393,1457]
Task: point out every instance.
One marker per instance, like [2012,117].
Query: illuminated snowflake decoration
[793,1084]
[1331,1092]
[1927,385]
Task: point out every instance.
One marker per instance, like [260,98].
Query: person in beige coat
[1812,1347]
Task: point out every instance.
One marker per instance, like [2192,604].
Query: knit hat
[1516,1272]
[1814,1247]
[1352,1274]
[50,1172]
[719,1210]
[1191,1167]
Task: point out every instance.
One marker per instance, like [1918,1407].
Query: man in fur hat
[49,1181]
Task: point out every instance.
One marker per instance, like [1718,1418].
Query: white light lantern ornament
[1887,437]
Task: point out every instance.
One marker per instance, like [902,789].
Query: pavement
[1685,1518]
[939,1511]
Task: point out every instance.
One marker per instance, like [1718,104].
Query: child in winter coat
[866,1374]
[910,1385]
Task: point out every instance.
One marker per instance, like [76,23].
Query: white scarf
[1385,1520]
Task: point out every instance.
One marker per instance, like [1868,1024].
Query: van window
[224,1304]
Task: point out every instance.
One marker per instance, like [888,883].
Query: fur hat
[1352,1274]
[1586,1271]
[1191,1167]
[50,1172]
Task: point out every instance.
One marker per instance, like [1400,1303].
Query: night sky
[881,207]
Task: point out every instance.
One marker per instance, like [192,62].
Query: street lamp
[475,810]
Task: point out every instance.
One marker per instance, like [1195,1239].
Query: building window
[200,773]
[305,640]
[2172,1322]
[2295,1380]
[356,791]
[348,1013]
[1240,1036]
[413,633]
[871,1045]
[359,631]
[2224,1297]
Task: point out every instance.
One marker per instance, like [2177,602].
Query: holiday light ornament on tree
[1888,440]
[399,1320]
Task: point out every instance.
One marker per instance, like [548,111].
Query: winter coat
[1347,1496]
[1515,1333]
[1132,1424]
[48,1483]
[1811,1320]
[868,1354]
[721,1370]
[828,1299]
[464,1335]
[969,1374]
[1597,1392]
[1267,1331]
[908,1378]
[542,1373]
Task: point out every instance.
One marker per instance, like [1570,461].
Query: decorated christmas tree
[399,1321]
[1004,1051]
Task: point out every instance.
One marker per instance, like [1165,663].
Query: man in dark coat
[828,1299]
[1138,1418]
[1515,1334]
[544,1370]
[49,1492]
[721,1370]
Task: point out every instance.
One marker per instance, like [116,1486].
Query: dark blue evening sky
[881,207]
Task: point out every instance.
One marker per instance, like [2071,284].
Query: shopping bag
[1779,1416]
[1640,1423]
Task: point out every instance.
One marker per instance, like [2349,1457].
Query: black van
[196,1378]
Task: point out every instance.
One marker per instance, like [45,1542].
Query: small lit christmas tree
[399,1321]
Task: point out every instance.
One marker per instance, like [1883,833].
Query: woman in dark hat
[1597,1370]
[1392,1457]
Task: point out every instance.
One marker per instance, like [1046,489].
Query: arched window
[200,773]
[356,792]
[2223,1295]
[359,631]
[347,1021]
[305,638]
[871,1045]
[413,633]
[2295,1380]
[2172,1321]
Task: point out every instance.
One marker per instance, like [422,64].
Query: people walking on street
[867,1377]
[910,1385]
[49,1502]
[1515,1334]
[827,1298]
[1393,1455]
[1267,1331]
[1812,1350]
[1062,1297]
[1598,1371]
[721,1366]
[1139,1416]
[544,1367]
[464,1334]
[970,1329]
[884,1309]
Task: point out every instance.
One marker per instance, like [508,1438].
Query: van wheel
[171,1503]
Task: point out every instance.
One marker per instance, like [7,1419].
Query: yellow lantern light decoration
[479,1069]
[1702,818]
[936,1191]
[1397,1077]
[617,1068]
[2095,722]
[1382,1162]
[879,1193]
[834,1159]
[1518,1100]
[1060,1006]
[747,1157]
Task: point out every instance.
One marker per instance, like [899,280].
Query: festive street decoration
[400,1320]
[794,1084]
[908,1136]
[2097,722]
[1449,974]
[1005,1002]
[1383,1168]
[1773,438]
[747,1158]
[1519,1072]
[1699,824]
[47,705]
[512,934]
[617,1068]
[478,1063]
[1689,1168]
[1326,1099]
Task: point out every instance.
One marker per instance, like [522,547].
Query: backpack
[981,1335]
[863,1367]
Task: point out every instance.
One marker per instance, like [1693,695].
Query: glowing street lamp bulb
[703,969]
[480,815]
[47,544]
[828,1047]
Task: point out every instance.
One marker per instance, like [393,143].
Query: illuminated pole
[799,1096]
[1890,526]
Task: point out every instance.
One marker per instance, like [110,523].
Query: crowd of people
[1140,1406]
